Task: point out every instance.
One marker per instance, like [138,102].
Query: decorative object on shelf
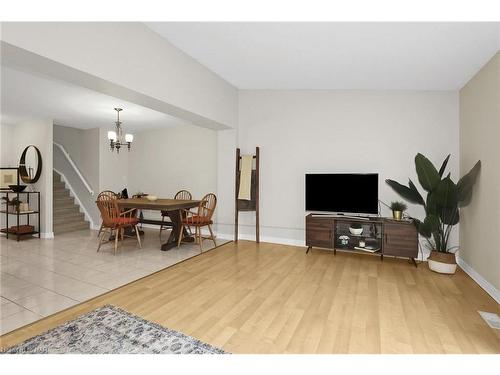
[20,210]
[116,137]
[151,198]
[344,240]
[13,205]
[397,209]
[17,188]
[8,176]
[362,243]
[442,208]
[356,229]
[30,165]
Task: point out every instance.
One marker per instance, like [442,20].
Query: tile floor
[41,277]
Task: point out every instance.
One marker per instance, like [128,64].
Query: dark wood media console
[381,236]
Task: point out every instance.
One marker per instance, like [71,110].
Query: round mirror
[30,165]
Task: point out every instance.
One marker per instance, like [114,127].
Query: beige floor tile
[17,320]
[45,297]
[9,308]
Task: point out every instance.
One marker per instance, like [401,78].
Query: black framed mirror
[30,165]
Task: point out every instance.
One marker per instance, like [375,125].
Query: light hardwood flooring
[267,298]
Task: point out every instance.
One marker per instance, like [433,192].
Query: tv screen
[349,193]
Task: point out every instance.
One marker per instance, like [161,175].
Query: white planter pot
[441,267]
[442,262]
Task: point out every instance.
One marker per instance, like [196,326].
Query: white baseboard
[276,240]
[481,281]
[47,235]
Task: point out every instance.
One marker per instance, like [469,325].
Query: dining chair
[113,219]
[110,194]
[181,194]
[199,219]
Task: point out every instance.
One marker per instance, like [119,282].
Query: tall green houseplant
[443,201]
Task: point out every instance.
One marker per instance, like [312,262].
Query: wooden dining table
[173,208]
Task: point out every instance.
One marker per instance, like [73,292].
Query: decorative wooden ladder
[253,203]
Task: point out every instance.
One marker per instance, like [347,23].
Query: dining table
[172,207]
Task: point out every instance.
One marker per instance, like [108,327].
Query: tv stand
[380,236]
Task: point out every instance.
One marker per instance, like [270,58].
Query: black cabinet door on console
[319,231]
[400,239]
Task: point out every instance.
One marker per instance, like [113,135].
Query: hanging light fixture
[116,139]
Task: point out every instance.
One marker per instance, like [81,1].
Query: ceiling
[26,96]
[302,55]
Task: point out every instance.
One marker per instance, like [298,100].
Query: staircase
[67,216]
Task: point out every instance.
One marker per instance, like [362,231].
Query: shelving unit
[393,238]
[372,235]
[20,216]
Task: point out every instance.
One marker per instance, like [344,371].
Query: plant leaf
[416,192]
[446,193]
[432,222]
[405,192]
[443,166]
[431,204]
[466,183]
[450,216]
[422,229]
[428,176]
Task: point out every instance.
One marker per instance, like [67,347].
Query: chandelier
[116,137]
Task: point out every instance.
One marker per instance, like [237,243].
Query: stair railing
[77,171]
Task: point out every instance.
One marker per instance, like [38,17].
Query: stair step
[73,218]
[67,211]
[61,193]
[63,200]
[70,227]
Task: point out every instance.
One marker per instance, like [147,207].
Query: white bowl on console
[151,198]
[356,231]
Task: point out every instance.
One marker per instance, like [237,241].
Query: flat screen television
[342,193]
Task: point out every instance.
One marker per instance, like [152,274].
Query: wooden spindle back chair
[113,219]
[199,219]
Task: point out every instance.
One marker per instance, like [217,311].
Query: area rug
[110,330]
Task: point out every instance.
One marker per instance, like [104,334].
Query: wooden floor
[267,298]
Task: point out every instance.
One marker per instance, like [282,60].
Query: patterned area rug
[110,330]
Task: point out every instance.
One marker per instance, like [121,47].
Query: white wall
[480,140]
[83,147]
[15,138]
[131,55]
[333,131]
[164,161]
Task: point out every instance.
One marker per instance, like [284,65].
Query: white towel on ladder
[245,177]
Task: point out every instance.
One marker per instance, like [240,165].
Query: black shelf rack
[25,197]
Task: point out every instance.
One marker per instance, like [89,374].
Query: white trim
[47,235]
[276,240]
[78,202]
[481,281]
[72,163]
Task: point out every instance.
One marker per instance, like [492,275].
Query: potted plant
[442,207]
[15,203]
[397,209]
[356,229]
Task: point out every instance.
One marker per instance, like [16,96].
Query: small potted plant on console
[442,208]
[356,229]
[397,209]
